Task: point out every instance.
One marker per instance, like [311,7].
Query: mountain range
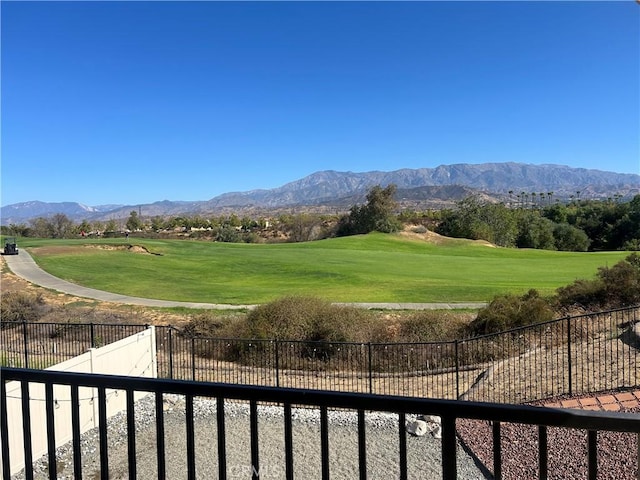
[337,191]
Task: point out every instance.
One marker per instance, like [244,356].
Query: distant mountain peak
[331,187]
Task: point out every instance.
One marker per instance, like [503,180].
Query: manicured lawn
[370,268]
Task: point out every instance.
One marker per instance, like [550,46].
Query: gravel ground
[567,451]
[423,453]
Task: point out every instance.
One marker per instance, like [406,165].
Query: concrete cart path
[24,266]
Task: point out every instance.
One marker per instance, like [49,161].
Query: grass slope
[368,268]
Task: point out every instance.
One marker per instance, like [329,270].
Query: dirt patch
[128,248]
[72,250]
[435,238]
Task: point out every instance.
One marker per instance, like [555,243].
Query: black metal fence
[40,345]
[215,454]
[572,355]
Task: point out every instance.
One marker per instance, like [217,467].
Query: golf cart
[10,246]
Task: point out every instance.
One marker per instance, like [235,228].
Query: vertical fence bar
[449,445]
[51,431]
[592,448]
[255,452]
[324,442]
[92,335]
[4,432]
[457,359]
[569,363]
[402,445]
[193,359]
[170,353]
[277,361]
[26,429]
[191,445]
[370,368]
[131,434]
[222,439]
[75,427]
[497,451]
[288,442]
[25,344]
[160,454]
[102,429]
[362,446]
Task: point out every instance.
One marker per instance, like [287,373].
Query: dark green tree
[570,239]
[133,222]
[535,231]
[476,220]
[377,214]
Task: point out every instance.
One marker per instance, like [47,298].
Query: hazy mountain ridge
[331,188]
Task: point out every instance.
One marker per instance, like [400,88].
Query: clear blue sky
[135,102]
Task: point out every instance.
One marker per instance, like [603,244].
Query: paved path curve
[24,266]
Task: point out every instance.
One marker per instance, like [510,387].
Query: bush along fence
[568,356]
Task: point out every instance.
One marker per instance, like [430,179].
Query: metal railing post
[370,368]
[277,359]
[92,335]
[193,359]
[457,371]
[170,353]
[569,363]
[25,344]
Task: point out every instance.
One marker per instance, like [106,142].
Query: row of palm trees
[542,199]
[532,199]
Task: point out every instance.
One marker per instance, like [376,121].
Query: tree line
[587,225]
[580,225]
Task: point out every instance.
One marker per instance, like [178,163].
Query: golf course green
[366,268]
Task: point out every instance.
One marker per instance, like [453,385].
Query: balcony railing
[285,399]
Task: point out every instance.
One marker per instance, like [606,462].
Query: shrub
[616,286]
[430,326]
[211,325]
[307,319]
[510,311]
[622,281]
[22,307]
[583,293]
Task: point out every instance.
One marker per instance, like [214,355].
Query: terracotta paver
[587,402]
[629,403]
[605,399]
[593,407]
[611,407]
[614,402]
[625,397]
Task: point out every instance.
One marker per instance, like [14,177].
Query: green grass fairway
[369,268]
